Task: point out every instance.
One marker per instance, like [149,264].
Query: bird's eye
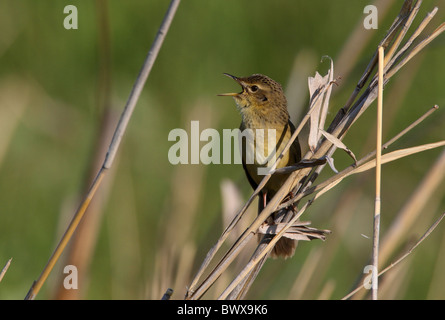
[254,88]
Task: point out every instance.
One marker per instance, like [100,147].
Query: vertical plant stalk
[378,179]
[112,149]
[5,268]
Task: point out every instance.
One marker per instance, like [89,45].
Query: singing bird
[263,105]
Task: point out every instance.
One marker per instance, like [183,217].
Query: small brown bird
[262,105]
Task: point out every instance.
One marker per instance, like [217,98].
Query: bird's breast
[260,149]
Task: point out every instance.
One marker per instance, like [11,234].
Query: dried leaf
[317,89]
[327,96]
[339,144]
[330,161]
[395,155]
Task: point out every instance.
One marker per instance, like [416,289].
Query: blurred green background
[157,221]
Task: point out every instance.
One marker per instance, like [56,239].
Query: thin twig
[392,265]
[413,37]
[417,49]
[114,146]
[398,40]
[398,23]
[5,268]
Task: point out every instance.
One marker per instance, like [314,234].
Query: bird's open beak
[232,94]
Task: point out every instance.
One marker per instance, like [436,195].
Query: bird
[263,105]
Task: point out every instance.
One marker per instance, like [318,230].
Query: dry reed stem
[358,40]
[83,243]
[5,268]
[410,18]
[112,149]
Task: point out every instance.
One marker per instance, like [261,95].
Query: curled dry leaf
[320,92]
[330,161]
[5,268]
[339,144]
[300,230]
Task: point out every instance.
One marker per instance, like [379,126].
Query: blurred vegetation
[51,94]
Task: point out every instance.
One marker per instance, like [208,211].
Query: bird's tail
[285,247]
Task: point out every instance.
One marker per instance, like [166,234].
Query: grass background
[155,214]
